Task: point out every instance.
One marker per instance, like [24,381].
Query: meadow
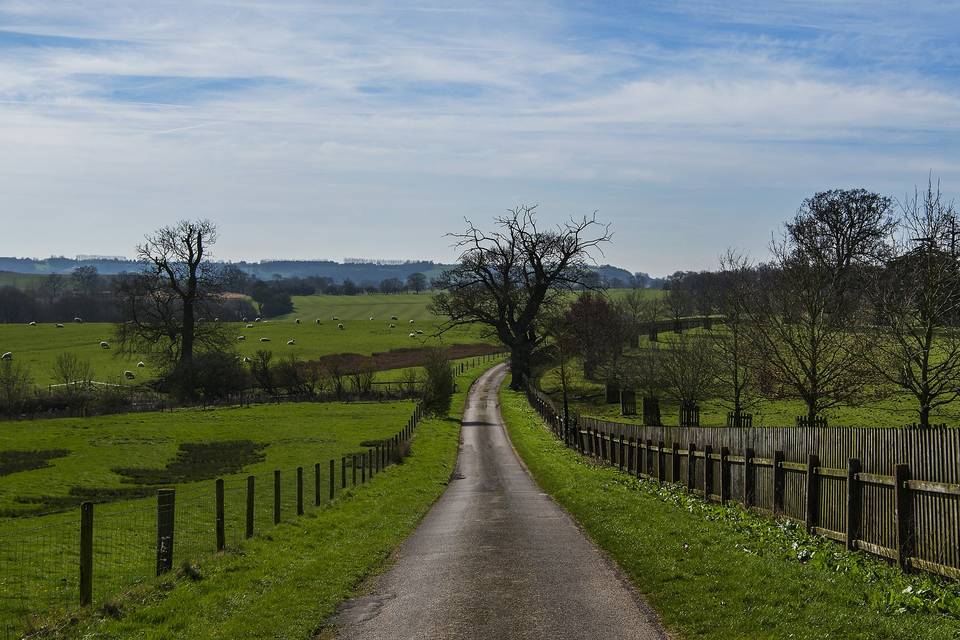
[38,346]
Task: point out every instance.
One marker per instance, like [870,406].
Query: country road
[496,558]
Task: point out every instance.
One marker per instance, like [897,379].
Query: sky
[318,130]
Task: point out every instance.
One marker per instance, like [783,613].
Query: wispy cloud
[326,129]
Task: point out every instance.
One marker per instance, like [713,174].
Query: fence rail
[893,493]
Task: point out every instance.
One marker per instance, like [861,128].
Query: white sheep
[393,317]
[413,335]
[335,318]
[241,338]
[7,356]
[393,326]
[340,326]
[297,321]
[264,339]
[141,364]
[411,322]
[371,317]
[318,320]
[291,342]
[243,319]
[216,319]
[32,323]
[248,326]
[78,319]
[419,332]
[257,319]
[59,325]
[129,375]
[104,344]
[246,359]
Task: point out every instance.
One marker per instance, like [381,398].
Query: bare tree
[506,278]
[804,304]
[164,304]
[735,371]
[688,366]
[917,299]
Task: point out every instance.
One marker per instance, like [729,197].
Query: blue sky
[325,130]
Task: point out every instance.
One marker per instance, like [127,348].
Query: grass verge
[288,582]
[724,573]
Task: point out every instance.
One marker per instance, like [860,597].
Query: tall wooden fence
[893,493]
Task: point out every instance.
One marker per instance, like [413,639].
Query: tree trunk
[925,416]
[520,356]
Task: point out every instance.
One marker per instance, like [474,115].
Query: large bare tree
[917,299]
[806,301]
[506,278]
[164,304]
[735,370]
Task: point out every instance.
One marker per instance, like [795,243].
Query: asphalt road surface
[496,558]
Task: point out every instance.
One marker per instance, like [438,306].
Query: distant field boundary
[893,493]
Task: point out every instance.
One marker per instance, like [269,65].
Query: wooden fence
[894,493]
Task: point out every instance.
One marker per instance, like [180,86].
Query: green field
[38,346]
[715,572]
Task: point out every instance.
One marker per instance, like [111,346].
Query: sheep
[297,321]
[243,319]
[141,364]
[264,339]
[217,319]
[129,375]
[371,318]
[59,325]
[78,319]
[336,318]
[246,360]
[393,326]
[393,317]
[318,320]
[241,338]
[413,335]
[257,319]
[248,326]
[411,322]
[291,342]
[7,356]
[31,324]
[340,326]
[419,332]
[104,344]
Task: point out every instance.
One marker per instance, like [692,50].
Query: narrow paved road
[496,559]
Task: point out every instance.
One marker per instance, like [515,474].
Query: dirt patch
[399,358]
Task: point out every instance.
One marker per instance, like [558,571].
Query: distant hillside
[358,272]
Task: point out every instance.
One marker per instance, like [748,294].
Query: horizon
[347,129]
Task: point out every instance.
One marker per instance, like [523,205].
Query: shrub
[218,375]
[16,386]
[438,383]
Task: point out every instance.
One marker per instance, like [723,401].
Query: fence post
[854,507]
[363,468]
[353,460]
[813,492]
[221,531]
[316,484]
[724,475]
[691,467]
[376,460]
[343,472]
[166,503]
[250,481]
[661,456]
[749,479]
[675,463]
[276,496]
[299,491]
[903,514]
[707,472]
[620,453]
[333,477]
[631,457]
[86,553]
[649,458]
[779,482]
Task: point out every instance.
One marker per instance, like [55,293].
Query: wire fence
[92,557]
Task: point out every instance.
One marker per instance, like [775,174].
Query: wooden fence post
[620,454]
[649,458]
[343,472]
[779,482]
[316,484]
[86,553]
[250,481]
[631,456]
[675,464]
[812,506]
[363,468]
[221,525]
[707,472]
[691,466]
[353,460]
[749,479]
[166,503]
[724,475]
[299,491]
[661,458]
[903,514]
[333,478]
[276,496]
[854,504]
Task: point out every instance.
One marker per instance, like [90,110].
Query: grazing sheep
[7,356]
[411,322]
[413,335]
[244,319]
[141,364]
[419,332]
[246,359]
[291,342]
[264,339]
[216,319]
[297,321]
[257,319]
[78,319]
[32,323]
[129,375]
[393,326]
[318,320]
[340,326]
[371,317]
[241,337]
[59,325]
[248,326]
[104,344]
[393,317]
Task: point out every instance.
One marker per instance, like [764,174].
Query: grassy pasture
[881,409]
[38,346]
